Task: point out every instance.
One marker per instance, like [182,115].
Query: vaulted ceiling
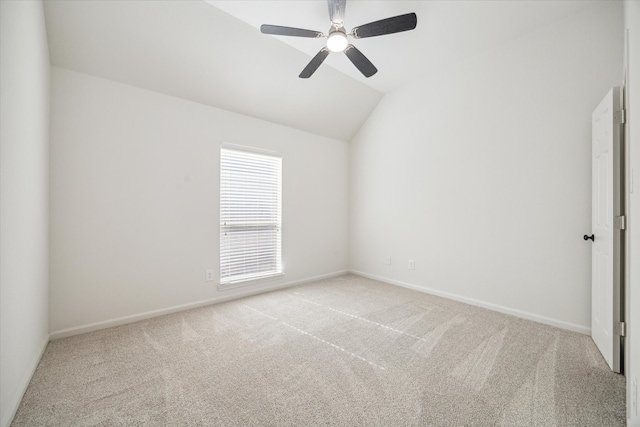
[212,52]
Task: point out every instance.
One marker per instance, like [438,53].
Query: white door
[606,228]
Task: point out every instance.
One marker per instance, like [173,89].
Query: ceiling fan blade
[314,64]
[396,24]
[360,61]
[277,30]
[336,10]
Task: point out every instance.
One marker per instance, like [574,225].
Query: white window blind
[250,216]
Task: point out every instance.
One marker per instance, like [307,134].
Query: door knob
[592,237]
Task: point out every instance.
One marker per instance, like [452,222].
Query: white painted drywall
[134,200]
[482,174]
[24,201]
[632,25]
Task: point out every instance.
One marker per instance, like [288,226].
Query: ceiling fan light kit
[337,39]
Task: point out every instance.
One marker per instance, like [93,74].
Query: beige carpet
[346,351]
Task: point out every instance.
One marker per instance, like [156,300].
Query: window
[250,215]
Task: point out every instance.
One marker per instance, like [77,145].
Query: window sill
[249,282]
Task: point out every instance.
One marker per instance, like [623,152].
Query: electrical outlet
[388,260]
[412,264]
[209,276]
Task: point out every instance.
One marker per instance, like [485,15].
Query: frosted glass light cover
[337,42]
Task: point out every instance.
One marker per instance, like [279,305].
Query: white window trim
[250,149]
[260,277]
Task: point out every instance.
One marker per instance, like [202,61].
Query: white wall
[482,174]
[134,201]
[24,186]
[632,24]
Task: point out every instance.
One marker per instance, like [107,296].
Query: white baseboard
[22,388]
[174,309]
[501,309]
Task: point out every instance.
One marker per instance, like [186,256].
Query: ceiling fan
[337,37]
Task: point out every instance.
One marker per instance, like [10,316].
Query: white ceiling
[191,50]
[448,31]
[213,53]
